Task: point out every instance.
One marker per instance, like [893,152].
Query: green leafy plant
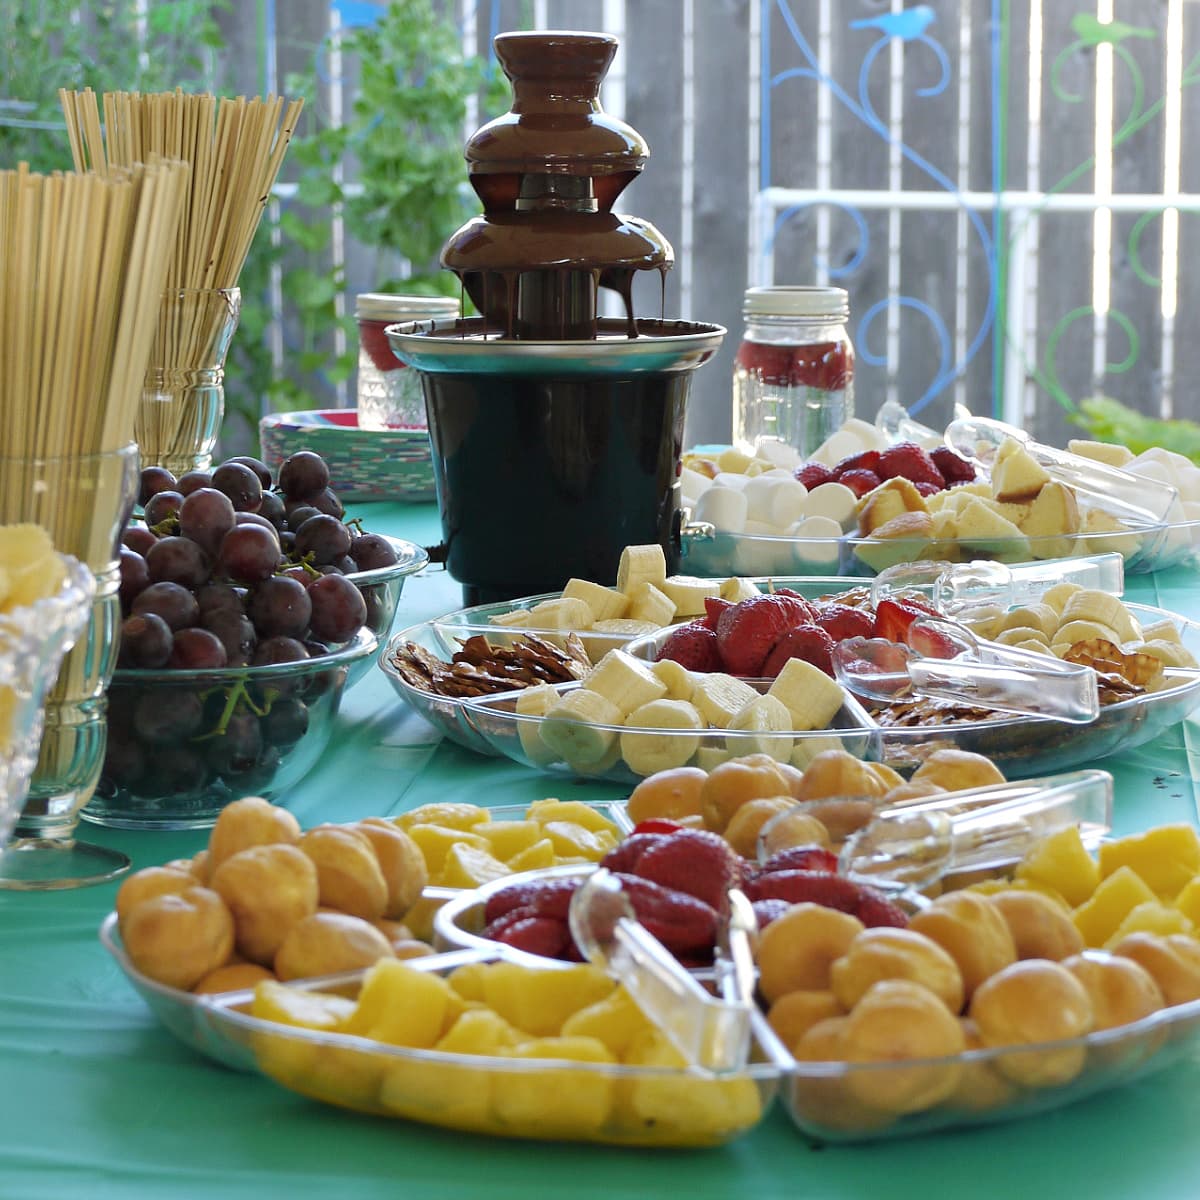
[1109,420]
[401,145]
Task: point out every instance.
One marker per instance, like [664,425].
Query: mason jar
[389,393]
[793,378]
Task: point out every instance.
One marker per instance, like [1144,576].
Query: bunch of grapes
[229,568]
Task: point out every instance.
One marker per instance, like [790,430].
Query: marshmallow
[817,544]
[838,446]
[732,479]
[1187,480]
[789,502]
[871,436]
[762,551]
[693,485]
[779,453]
[722,507]
[833,500]
[758,492]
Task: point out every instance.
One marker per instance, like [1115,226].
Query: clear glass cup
[83,502]
[183,396]
[33,640]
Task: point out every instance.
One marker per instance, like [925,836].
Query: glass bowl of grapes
[248,605]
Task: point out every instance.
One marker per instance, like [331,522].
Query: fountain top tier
[548,173]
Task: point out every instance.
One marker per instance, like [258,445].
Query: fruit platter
[732,666]
[865,500]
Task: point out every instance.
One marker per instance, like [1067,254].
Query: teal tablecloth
[96,1100]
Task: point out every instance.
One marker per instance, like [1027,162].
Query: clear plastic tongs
[917,843]
[946,661]
[1139,499]
[712,1032]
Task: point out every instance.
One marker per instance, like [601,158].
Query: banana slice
[1020,634]
[770,721]
[1162,631]
[720,697]
[536,702]
[1041,617]
[626,682]
[567,612]
[1058,595]
[813,698]
[1089,604]
[647,602]
[605,602]
[653,750]
[641,564]
[570,726]
[1084,631]
[1169,653]
[689,593]
[736,588]
[679,681]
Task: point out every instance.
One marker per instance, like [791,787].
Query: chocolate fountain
[556,433]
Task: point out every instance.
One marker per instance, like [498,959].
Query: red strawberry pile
[678,882]
[930,471]
[754,638]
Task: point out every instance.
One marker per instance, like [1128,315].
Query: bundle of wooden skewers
[235,148]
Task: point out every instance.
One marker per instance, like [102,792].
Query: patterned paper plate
[364,464]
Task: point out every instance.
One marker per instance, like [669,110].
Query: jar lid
[832,303]
[382,306]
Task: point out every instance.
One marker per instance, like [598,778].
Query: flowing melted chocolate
[548,173]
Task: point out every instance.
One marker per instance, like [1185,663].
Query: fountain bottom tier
[551,457]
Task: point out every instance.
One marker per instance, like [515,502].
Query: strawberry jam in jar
[389,394]
[793,378]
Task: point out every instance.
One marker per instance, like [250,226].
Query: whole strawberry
[909,461]
[747,631]
[860,482]
[546,936]
[693,646]
[694,861]
[843,621]
[714,606]
[864,460]
[682,923]
[808,642]
[541,898]
[808,857]
[625,856]
[954,468]
[813,474]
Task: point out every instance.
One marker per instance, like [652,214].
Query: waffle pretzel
[1109,659]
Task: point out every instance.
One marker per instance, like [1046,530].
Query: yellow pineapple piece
[1188,901]
[570,810]
[534,858]
[306,1010]
[1167,858]
[435,842]
[616,1021]
[1152,917]
[403,1006]
[557,1101]
[507,838]
[1062,862]
[1115,898]
[451,815]
[538,1001]
[468,866]
[570,839]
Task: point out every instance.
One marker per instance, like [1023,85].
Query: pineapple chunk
[1151,917]
[1115,898]
[1166,858]
[467,867]
[1062,862]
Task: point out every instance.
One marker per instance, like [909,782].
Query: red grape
[173,603]
[249,554]
[206,517]
[178,560]
[338,608]
[280,606]
[303,475]
[154,480]
[145,641]
[240,484]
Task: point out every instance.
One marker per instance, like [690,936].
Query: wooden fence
[1000,184]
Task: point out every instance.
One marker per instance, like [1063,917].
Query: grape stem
[238,692]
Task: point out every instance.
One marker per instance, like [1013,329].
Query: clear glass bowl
[249,731]
[830,1101]
[33,640]
[709,553]
[518,736]
[691,1107]
[381,589]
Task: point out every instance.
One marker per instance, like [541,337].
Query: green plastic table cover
[97,1101]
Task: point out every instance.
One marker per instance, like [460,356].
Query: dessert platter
[874,495]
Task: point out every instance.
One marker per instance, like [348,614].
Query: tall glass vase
[183,397]
[83,502]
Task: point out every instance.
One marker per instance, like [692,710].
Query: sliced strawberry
[953,467]
[767,910]
[809,642]
[809,857]
[909,461]
[860,482]
[864,460]
[818,887]
[714,606]
[813,474]
[694,861]
[928,489]
[893,617]
[842,621]
[875,909]
[657,825]
[626,854]
[547,936]
[504,916]
[747,631]
[930,642]
[682,923]
[693,646]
